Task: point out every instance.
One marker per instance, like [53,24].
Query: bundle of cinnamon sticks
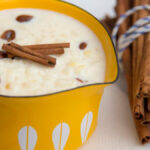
[136,63]
[36,53]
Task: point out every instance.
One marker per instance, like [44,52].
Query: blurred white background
[98,8]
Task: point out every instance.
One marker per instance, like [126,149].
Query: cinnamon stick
[138,46]
[3,55]
[55,51]
[10,56]
[134,51]
[148,104]
[134,47]
[16,52]
[138,103]
[48,46]
[141,39]
[146,121]
[142,44]
[144,62]
[50,51]
[143,132]
[144,85]
[139,111]
[34,53]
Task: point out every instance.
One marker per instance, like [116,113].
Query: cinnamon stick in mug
[34,53]
[48,46]
[53,51]
[10,56]
[6,55]
[14,51]
[3,55]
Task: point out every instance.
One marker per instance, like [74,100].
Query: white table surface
[116,130]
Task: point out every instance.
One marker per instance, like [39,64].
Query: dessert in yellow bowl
[53,108]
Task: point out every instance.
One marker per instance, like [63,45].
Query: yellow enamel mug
[58,121]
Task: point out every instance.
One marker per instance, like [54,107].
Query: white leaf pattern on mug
[60,136]
[27,138]
[86,125]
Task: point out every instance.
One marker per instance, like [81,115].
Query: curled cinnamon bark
[139,109]
[146,120]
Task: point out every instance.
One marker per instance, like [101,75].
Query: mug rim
[82,86]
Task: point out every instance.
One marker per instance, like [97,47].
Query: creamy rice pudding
[83,63]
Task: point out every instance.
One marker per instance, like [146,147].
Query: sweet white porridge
[82,63]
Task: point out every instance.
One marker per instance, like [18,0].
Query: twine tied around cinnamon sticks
[140,27]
